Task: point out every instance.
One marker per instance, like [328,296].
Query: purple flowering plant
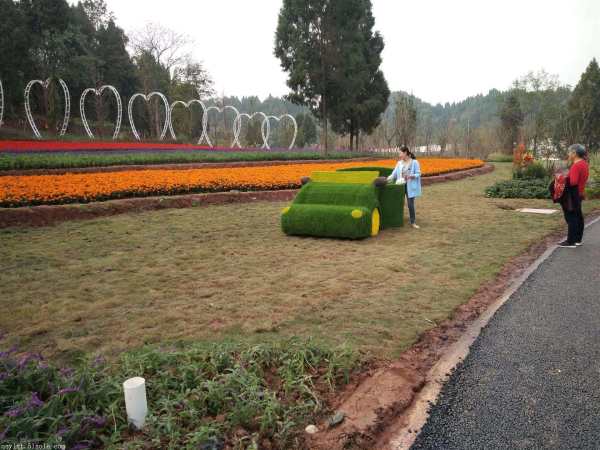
[57,405]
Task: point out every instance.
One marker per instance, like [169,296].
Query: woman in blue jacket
[408,171]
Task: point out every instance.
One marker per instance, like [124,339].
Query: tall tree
[332,55]
[405,120]
[511,117]
[168,47]
[304,45]
[192,81]
[538,97]
[307,130]
[16,65]
[361,91]
[584,108]
[98,13]
[152,76]
[115,65]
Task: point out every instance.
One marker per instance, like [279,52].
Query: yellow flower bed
[69,188]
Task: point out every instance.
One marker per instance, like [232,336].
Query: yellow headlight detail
[357,213]
[285,210]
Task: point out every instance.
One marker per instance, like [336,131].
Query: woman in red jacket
[574,194]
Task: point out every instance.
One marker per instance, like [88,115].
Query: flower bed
[104,146]
[226,395]
[70,188]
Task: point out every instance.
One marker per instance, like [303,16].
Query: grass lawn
[228,272]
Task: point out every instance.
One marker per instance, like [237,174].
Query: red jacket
[578,176]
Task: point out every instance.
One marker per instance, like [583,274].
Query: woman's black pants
[575,222]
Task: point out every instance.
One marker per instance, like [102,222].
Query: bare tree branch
[170,48]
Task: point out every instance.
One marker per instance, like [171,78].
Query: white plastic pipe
[135,401]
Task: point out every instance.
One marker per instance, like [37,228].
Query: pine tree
[511,117]
[584,108]
[332,56]
[362,92]
[307,130]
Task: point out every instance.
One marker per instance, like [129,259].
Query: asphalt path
[532,378]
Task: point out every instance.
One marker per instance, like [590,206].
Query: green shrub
[530,188]
[499,158]
[535,170]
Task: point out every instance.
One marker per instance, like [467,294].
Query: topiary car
[345,204]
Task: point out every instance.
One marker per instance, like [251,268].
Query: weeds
[200,396]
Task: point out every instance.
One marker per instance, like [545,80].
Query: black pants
[411,210]
[576,223]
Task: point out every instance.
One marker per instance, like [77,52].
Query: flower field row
[109,146]
[71,188]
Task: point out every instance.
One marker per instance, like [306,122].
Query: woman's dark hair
[405,149]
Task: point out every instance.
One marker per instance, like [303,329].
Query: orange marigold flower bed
[69,188]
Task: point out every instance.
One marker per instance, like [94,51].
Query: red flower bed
[74,146]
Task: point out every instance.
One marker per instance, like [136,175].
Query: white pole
[135,401]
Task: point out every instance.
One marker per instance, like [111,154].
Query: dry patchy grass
[228,272]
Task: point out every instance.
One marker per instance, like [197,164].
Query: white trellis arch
[98,93]
[267,124]
[237,126]
[45,84]
[205,123]
[186,105]
[147,98]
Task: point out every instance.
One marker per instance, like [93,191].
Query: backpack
[557,188]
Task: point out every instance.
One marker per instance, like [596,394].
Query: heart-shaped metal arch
[187,105]
[205,122]
[147,98]
[98,93]
[1,103]
[45,85]
[266,124]
[237,128]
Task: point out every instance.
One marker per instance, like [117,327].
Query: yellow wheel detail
[375,222]
[357,213]
[285,210]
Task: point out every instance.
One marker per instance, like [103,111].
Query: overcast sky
[439,50]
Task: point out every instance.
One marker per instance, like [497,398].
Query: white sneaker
[578,244]
[415,226]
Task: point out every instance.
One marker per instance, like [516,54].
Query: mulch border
[40,216]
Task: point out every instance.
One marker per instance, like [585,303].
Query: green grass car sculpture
[352,203]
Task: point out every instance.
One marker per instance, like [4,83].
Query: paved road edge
[417,414]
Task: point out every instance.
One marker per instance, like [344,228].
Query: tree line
[332,55]
[537,110]
[82,44]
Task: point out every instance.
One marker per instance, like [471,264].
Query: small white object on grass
[311,429]
[135,401]
[538,211]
